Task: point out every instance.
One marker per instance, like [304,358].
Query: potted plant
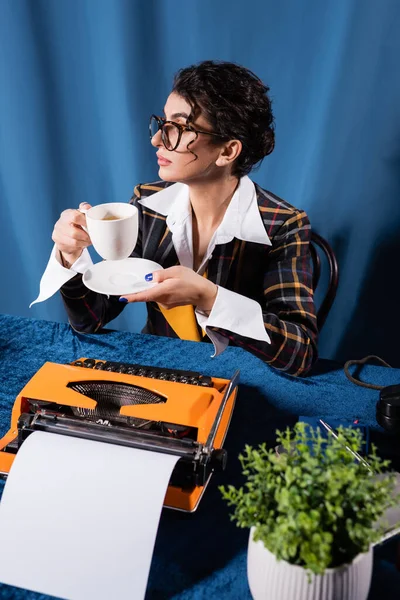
[313,512]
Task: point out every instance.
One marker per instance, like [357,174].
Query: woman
[235,253]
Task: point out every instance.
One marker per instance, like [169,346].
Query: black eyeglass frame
[161,121]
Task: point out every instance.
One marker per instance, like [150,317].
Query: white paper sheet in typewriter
[78,518]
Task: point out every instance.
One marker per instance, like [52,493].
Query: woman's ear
[229,153]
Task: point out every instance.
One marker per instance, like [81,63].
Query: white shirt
[242,220]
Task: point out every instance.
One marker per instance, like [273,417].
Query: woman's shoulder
[143,190]
[279,215]
[267,201]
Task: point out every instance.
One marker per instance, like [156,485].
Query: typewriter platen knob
[219,458]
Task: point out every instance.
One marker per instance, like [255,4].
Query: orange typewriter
[163,410]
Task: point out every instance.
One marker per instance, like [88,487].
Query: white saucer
[120,277]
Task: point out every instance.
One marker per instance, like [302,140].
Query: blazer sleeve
[89,311]
[288,310]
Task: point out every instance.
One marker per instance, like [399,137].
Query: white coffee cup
[113,229]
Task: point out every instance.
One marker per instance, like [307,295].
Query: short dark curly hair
[236,104]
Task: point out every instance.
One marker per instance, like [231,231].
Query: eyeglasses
[171,132]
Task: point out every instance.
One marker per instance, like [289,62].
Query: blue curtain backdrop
[79,79]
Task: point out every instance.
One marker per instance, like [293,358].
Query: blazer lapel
[165,253]
[221,262]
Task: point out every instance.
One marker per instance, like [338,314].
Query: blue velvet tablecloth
[203,555]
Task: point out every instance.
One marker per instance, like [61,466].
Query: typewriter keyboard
[190,377]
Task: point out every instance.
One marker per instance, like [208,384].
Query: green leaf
[313,505]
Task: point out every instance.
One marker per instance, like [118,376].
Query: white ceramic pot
[270,579]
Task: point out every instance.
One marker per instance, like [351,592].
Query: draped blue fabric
[79,78]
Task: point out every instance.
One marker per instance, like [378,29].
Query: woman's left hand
[178,286]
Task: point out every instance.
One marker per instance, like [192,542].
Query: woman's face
[181,165]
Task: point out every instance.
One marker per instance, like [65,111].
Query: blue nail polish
[149,277]
[124,300]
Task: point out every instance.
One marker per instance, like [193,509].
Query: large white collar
[242,219]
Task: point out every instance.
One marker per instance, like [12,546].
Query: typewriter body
[162,410]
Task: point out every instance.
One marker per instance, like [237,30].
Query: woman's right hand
[69,236]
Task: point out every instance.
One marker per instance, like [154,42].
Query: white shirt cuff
[236,313]
[55,275]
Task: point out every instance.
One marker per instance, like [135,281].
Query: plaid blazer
[278,277]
